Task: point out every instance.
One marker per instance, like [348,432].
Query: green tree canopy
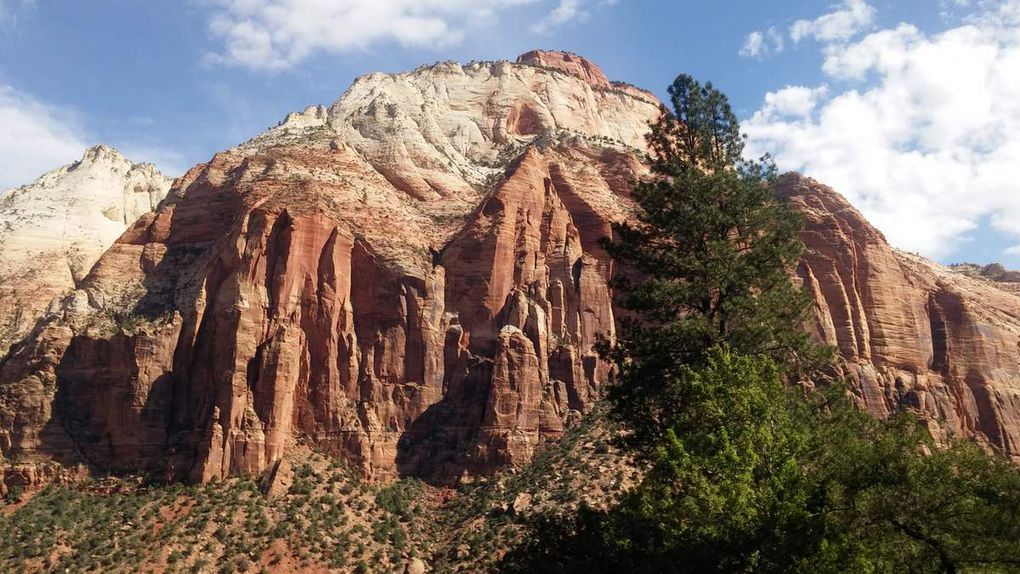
[745,473]
[707,258]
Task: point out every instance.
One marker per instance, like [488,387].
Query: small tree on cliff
[708,259]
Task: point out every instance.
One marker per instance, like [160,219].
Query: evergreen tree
[891,500]
[708,259]
[745,474]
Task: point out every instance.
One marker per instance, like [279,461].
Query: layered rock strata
[411,279]
[53,230]
[913,335]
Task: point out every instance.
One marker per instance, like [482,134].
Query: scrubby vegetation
[329,518]
[326,518]
[707,456]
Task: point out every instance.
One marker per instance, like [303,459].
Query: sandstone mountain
[411,280]
[914,335]
[995,273]
[53,230]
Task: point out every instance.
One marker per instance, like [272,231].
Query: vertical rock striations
[411,279]
[914,335]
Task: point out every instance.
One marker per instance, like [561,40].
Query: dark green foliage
[398,498]
[745,474]
[229,525]
[816,486]
[707,261]
[725,492]
[892,501]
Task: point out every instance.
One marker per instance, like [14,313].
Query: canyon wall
[913,335]
[411,279]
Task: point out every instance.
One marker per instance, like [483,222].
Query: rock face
[568,63]
[914,335]
[411,279]
[53,230]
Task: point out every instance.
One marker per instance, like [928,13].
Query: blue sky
[174,82]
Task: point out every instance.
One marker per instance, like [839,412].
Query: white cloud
[759,44]
[276,34]
[793,101]
[565,11]
[845,21]
[35,138]
[1015,250]
[880,52]
[925,139]
[754,45]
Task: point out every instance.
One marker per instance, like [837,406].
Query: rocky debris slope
[411,279]
[914,335]
[53,230]
[309,514]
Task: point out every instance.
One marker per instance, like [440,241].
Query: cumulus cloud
[275,34]
[759,44]
[35,138]
[847,20]
[925,137]
[793,101]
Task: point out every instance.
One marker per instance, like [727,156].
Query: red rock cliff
[275,310]
[914,335]
[411,280]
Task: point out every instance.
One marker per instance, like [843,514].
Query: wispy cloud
[925,136]
[10,10]
[846,20]
[759,44]
[38,137]
[278,34]
[568,11]
[35,138]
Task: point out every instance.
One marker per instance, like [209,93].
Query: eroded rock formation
[914,335]
[53,230]
[411,279]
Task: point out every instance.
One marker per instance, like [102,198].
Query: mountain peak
[101,152]
[567,62]
[54,229]
[443,130]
